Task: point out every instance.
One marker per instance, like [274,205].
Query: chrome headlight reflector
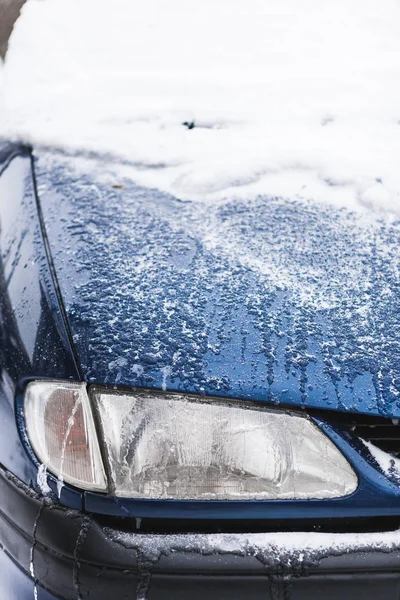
[176,447]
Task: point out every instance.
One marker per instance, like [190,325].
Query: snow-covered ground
[297,98]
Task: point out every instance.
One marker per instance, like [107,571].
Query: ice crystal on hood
[279,300]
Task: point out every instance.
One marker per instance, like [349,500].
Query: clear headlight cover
[62,433]
[177,447]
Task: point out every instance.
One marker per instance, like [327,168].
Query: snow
[41,480]
[388,463]
[291,98]
[270,547]
[288,553]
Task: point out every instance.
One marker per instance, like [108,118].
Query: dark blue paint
[150,302]
[265,299]
[33,338]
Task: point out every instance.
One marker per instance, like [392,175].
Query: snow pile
[388,463]
[41,480]
[291,98]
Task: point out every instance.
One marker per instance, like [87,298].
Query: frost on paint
[292,98]
[281,300]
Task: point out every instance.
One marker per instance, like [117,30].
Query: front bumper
[72,556]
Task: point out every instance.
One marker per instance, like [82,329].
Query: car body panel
[34,329]
[287,302]
[126,286]
[33,339]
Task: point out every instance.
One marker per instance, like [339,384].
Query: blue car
[196,400]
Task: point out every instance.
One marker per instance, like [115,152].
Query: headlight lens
[177,447]
[163,446]
[61,431]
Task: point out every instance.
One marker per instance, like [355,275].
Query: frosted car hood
[284,301]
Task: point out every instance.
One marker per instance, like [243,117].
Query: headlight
[179,447]
[62,433]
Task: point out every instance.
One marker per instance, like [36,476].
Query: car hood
[284,301]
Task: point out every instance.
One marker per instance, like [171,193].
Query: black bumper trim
[74,557]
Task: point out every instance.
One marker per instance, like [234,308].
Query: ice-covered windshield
[290,98]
